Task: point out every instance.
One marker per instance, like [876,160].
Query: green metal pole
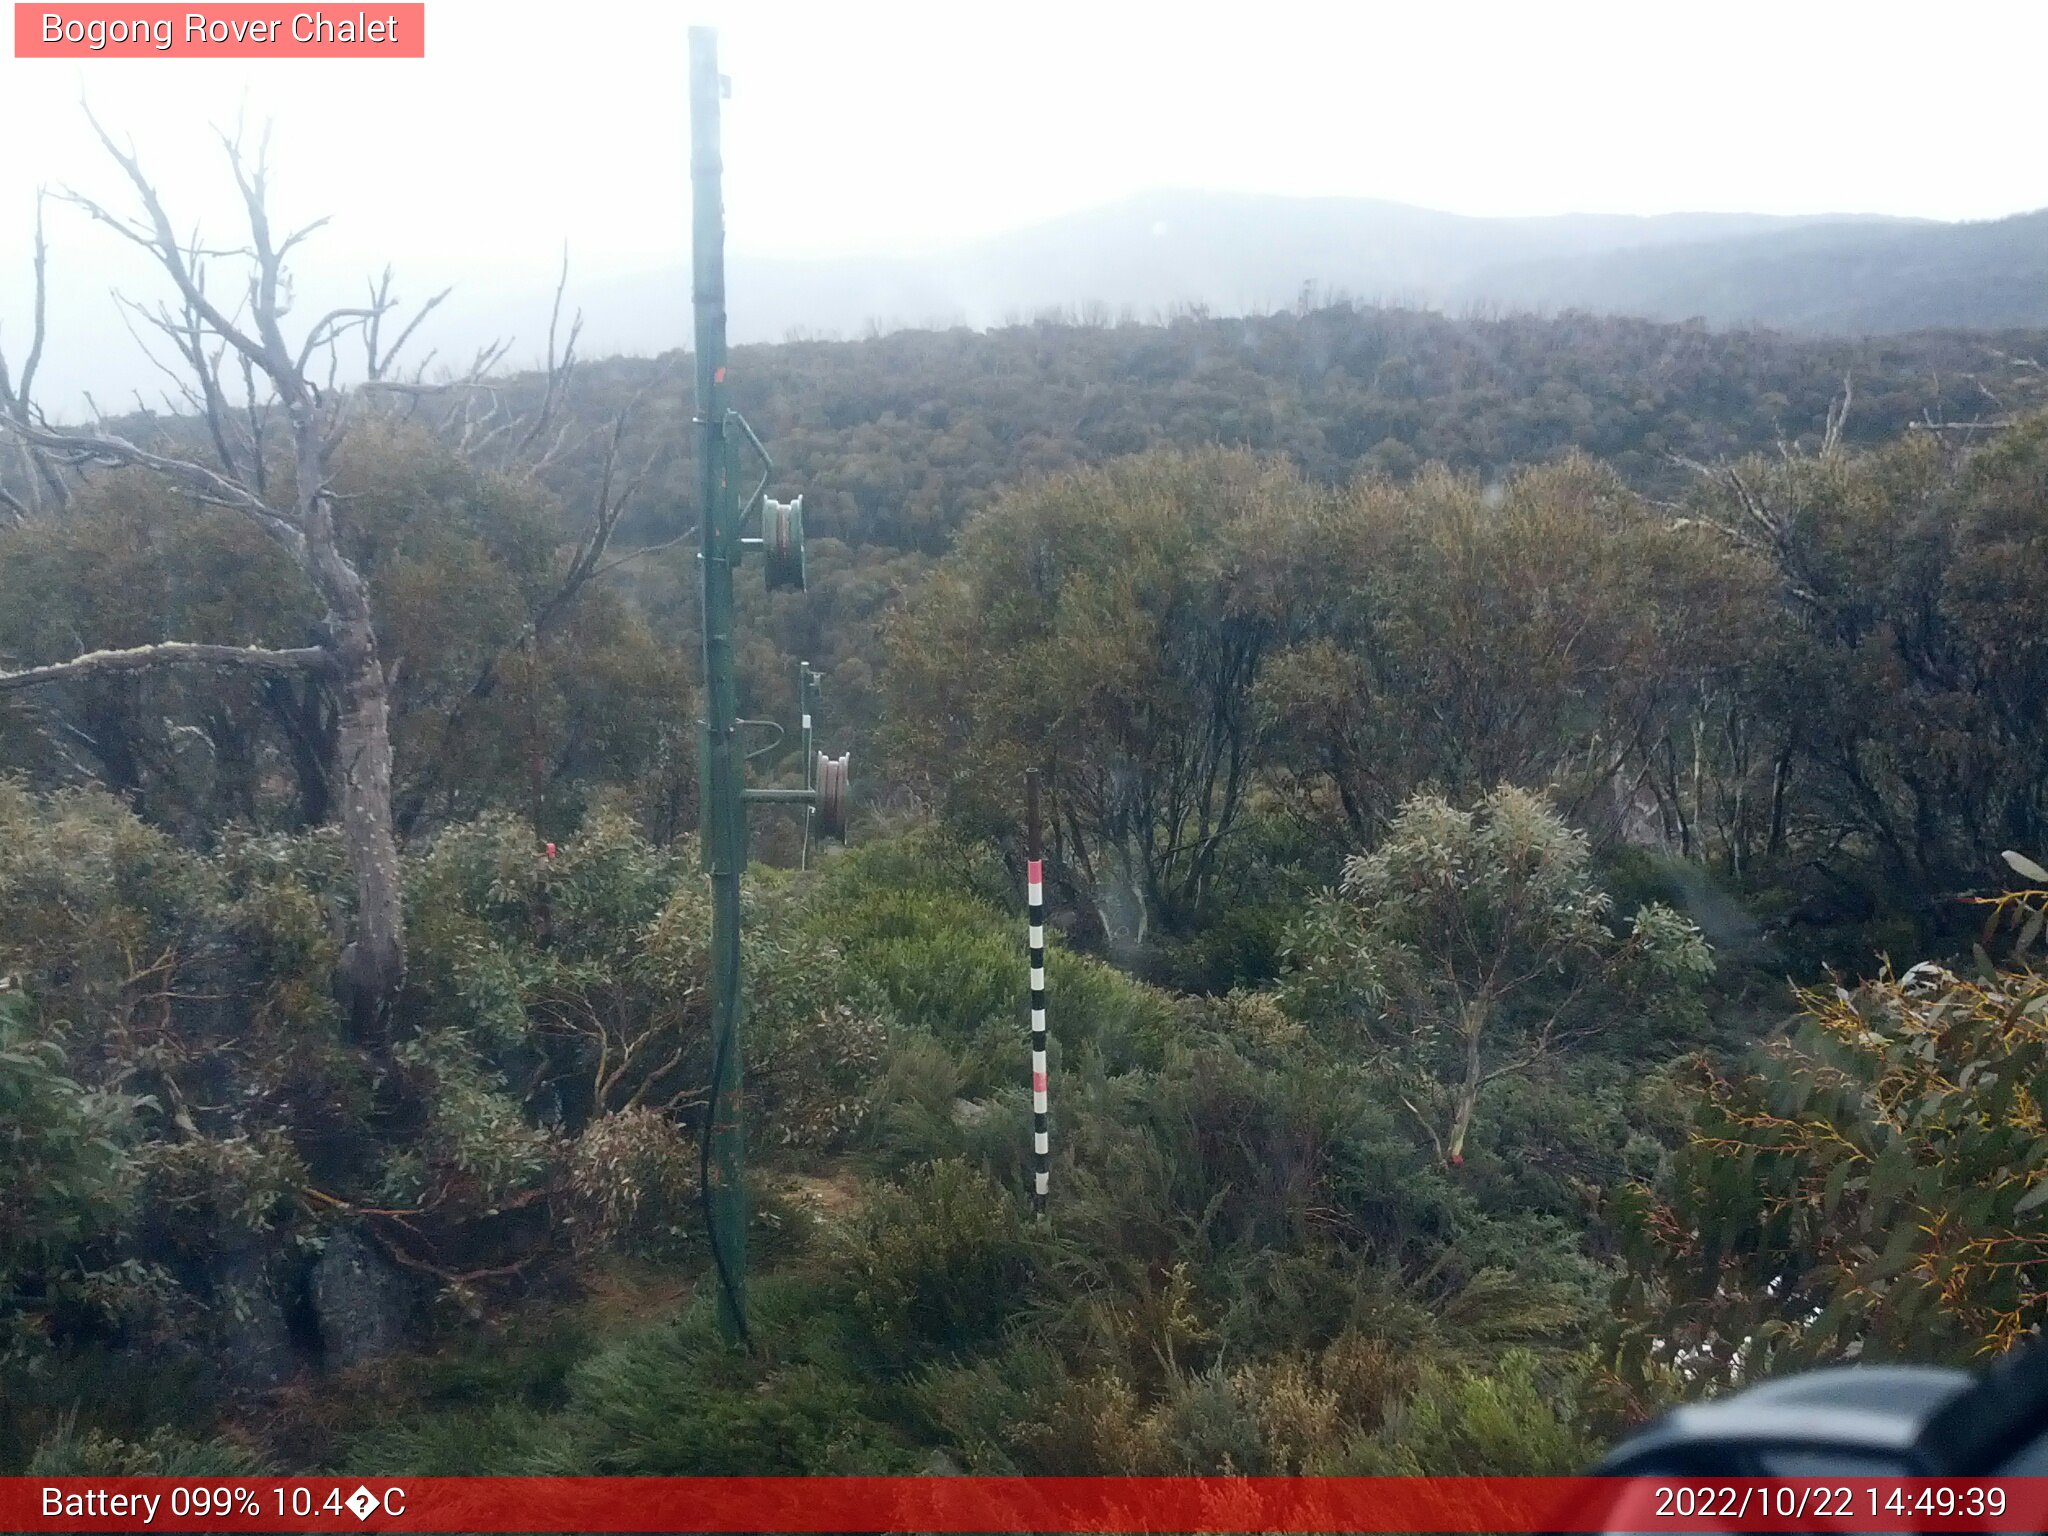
[722,816]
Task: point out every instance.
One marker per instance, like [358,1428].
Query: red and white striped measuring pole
[1034,876]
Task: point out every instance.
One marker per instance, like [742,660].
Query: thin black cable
[718,1260]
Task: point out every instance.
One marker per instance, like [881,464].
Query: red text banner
[234,31]
[1001,1504]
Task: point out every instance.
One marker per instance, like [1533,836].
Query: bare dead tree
[17,397]
[1838,417]
[473,410]
[298,510]
[273,419]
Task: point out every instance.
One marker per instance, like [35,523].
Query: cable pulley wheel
[782,544]
[834,792]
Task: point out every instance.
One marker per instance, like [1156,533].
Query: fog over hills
[1233,254]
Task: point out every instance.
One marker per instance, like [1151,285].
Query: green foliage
[918,1103]
[1508,1422]
[202,1189]
[1472,945]
[131,563]
[1870,1186]
[505,1439]
[957,973]
[679,1401]
[71,1452]
[1348,1222]
[923,858]
[465,568]
[1248,1265]
[935,933]
[905,434]
[91,900]
[1881,746]
[478,1145]
[1099,626]
[1450,635]
[632,1182]
[584,979]
[901,440]
[1271,864]
[1022,1410]
[937,1264]
[214,1113]
[65,1178]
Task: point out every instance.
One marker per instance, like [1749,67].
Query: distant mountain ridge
[1237,252]
[1828,277]
[1241,253]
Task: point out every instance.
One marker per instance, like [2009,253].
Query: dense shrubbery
[899,440]
[1257,1258]
[1451,834]
[1252,1254]
[1472,945]
[465,566]
[1254,1260]
[191,1125]
[63,1183]
[1870,1187]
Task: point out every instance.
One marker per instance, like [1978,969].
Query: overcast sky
[887,127]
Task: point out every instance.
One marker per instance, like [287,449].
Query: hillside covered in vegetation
[1503,781]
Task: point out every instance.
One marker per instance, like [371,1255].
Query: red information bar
[1002,1504]
[378,30]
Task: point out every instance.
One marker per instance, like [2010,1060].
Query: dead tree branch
[169,653]
[17,399]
